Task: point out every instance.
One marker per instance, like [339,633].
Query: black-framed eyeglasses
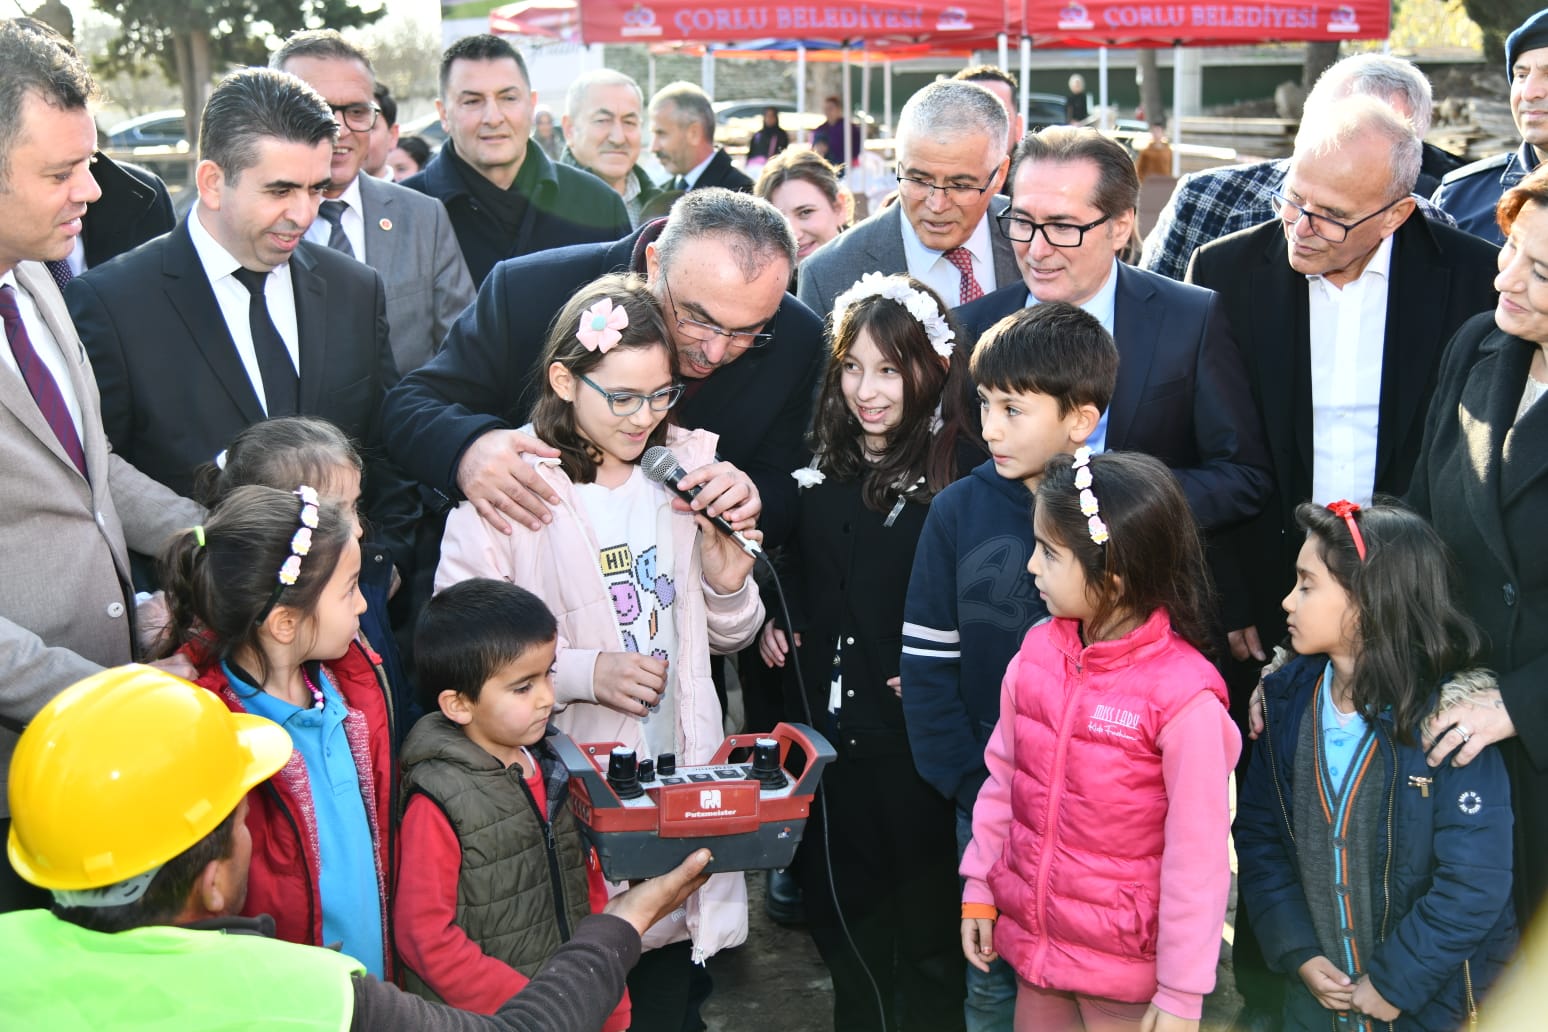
[704,332]
[627,403]
[923,189]
[1329,229]
[359,117]
[1058,234]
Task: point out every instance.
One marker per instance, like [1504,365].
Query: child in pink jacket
[1098,867]
[642,593]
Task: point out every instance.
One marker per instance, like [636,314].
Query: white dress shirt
[929,267]
[1348,332]
[44,343]
[234,300]
[692,175]
[352,220]
[1103,307]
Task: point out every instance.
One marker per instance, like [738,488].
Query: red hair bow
[1345,510]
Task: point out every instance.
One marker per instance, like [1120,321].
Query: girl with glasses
[641,592]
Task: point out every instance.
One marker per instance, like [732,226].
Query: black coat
[134,207]
[1490,506]
[174,391]
[720,172]
[1439,277]
[847,581]
[567,206]
[485,378]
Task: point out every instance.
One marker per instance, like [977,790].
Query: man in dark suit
[401,233]
[505,196]
[682,136]
[233,316]
[750,352]
[1182,390]
[134,207]
[73,507]
[951,164]
[1342,306]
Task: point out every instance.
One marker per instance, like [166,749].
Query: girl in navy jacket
[1379,886]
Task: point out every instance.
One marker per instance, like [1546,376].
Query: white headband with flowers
[918,304]
[1088,499]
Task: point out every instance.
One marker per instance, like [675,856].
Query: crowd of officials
[328,507]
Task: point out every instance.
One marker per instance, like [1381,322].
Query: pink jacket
[559,563]
[1101,834]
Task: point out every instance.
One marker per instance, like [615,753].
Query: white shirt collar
[217,261]
[1103,305]
[978,244]
[351,195]
[1379,265]
[692,175]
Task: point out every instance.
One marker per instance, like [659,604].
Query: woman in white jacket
[642,593]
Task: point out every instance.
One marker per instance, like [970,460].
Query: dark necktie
[333,212]
[679,183]
[281,386]
[40,382]
[60,270]
[963,260]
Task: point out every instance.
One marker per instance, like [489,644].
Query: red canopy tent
[942,22]
[1129,23]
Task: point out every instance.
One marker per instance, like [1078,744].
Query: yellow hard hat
[123,771]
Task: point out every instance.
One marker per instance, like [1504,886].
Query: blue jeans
[991,996]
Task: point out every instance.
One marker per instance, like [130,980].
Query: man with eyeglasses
[952,139]
[505,195]
[1182,391]
[402,234]
[1342,304]
[749,354]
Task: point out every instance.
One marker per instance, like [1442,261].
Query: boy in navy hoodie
[1044,376]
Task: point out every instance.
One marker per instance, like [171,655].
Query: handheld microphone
[662,466]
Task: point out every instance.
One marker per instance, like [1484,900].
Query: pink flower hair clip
[602,326]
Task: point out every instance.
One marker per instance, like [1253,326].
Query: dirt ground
[776,982]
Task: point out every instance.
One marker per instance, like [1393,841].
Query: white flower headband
[300,547]
[1088,499]
[917,303]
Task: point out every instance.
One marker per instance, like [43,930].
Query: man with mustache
[603,120]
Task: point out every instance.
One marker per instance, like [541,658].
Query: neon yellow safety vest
[63,978]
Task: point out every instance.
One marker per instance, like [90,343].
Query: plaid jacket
[1207,205]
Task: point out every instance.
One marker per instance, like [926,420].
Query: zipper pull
[1421,783]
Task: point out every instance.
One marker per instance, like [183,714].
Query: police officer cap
[1532,34]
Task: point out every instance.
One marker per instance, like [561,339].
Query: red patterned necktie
[45,390]
[963,260]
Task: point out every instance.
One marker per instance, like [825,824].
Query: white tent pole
[887,96]
[1003,42]
[1177,95]
[707,71]
[1104,123]
[801,78]
[848,107]
[1026,71]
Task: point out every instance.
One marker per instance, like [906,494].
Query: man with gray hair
[1342,305]
[1207,205]
[952,139]
[602,122]
[750,352]
[682,136]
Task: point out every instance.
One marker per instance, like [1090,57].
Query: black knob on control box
[765,765]
[647,771]
[623,773]
[666,764]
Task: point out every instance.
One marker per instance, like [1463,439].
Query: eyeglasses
[627,403]
[1058,234]
[704,332]
[359,117]
[921,189]
[1331,230]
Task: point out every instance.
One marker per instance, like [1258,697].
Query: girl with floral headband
[879,460]
[1379,887]
[1098,867]
[642,592]
[265,603]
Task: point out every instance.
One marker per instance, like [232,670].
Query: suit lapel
[1006,271]
[1525,452]
[1135,329]
[885,245]
[193,298]
[311,325]
[1486,409]
[1281,354]
[376,207]
[35,279]
[1417,287]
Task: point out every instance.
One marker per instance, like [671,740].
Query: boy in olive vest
[493,872]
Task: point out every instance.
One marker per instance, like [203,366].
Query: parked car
[158,141]
[427,128]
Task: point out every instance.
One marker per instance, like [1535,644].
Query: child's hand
[773,646]
[1158,1020]
[628,682]
[978,941]
[1367,1000]
[1327,983]
[726,565]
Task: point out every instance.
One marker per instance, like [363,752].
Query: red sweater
[425,913]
